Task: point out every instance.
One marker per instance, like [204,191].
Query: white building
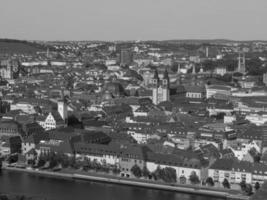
[229,119]
[220,70]
[233,171]
[236,172]
[182,168]
[256,119]
[211,90]
[242,151]
[25,107]
[51,121]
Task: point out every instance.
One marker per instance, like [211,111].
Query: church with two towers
[160,88]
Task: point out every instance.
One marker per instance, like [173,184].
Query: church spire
[166,75]
[156,74]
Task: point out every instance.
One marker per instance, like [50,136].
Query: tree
[53,162]
[116,170]
[145,172]
[257,186]
[182,180]
[169,175]
[136,170]
[194,179]
[226,184]
[166,174]
[243,185]
[261,193]
[41,162]
[13,158]
[31,162]
[248,189]
[257,158]
[210,181]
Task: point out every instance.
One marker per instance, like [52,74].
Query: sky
[133,19]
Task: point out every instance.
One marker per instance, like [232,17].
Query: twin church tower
[160,88]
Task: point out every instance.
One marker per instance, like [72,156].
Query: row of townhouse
[125,157]
[237,171]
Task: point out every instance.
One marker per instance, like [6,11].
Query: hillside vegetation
[8,46]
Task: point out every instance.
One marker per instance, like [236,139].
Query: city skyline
[133,20]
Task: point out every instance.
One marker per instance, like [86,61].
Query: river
[60,189]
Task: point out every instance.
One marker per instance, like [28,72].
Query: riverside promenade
[191,189]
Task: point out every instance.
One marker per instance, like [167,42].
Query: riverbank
[191,189]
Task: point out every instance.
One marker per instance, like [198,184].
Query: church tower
[241,63]
[161,91]
[62,109]
[155,83]
[165,87]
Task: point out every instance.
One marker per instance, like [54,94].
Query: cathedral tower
[161,91]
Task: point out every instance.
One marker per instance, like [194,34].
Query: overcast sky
[133,19]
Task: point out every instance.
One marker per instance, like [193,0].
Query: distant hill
[10,46]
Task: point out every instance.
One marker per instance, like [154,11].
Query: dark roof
[230,164]
[253,133]
[9,124]
[174,160]
[194,88]
[129,151]
[94,123]
[227,151]
[57,117]
[37,137]
[223,164]
[210,150]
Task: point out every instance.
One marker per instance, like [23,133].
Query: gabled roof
[57,117]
